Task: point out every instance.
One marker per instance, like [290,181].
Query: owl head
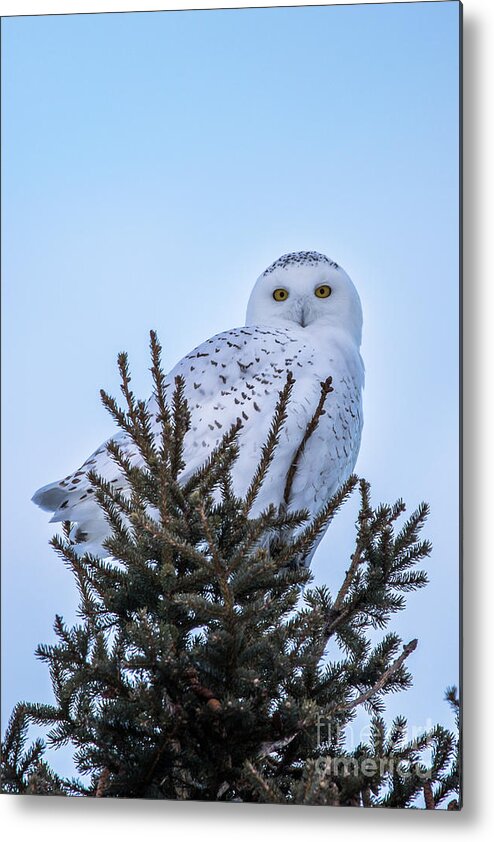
[307,289]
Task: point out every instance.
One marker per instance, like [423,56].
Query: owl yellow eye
[280,294]
[324,291]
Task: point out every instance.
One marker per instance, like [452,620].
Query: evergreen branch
[163,417]
[270,445]
[381,683]
[89,607]
[219,567]
[118,455]
[24,772]
[268,790]
[326,388]
[135,421]
[181,425]
[336,613]
[112,501]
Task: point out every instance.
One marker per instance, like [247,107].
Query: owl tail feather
[49,497]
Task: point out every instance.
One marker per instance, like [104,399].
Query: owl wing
[236,374]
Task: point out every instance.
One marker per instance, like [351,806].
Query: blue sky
[153,165]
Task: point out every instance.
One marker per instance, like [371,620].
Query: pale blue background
[153,165]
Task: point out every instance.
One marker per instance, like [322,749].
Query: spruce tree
[205,665]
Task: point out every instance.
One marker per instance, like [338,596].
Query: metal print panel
[233,573]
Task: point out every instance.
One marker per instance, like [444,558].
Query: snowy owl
[304,315]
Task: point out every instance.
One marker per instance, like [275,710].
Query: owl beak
[303,316]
